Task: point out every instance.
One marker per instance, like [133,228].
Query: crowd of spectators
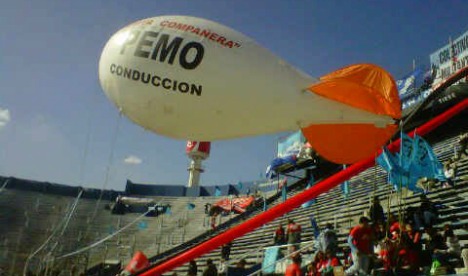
[402,244]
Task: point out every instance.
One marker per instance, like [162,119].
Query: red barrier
[296,200]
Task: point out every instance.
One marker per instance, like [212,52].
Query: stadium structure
[55,229]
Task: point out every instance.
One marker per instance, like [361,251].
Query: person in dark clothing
[226,251]
[434,244]
[426,216]
[193,269]
[376,212]
[210,269]
[279,236]
[463,144]
[207,208]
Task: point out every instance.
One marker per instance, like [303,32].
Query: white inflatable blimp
[194,79]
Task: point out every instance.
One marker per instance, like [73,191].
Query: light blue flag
[425,162]
[437,167]
[217,191]
[168,210]
[284,194]
[390,164]
[388,161]
[310,202]
[345,186]
[271,256]
[406,152]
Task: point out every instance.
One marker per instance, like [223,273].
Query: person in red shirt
[318,262]
[279,237]
[294,269]
[360,241]
[293,232]
[327,265]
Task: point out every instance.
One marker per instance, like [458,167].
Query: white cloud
[132,160]
[4,117]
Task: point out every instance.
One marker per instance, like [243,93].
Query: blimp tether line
[194,79]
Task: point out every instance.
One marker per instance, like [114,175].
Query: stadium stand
[36,212]
[332,207]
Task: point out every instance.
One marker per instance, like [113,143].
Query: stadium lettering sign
[450,58]
[161,47]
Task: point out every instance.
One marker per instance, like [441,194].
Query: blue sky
[56,124]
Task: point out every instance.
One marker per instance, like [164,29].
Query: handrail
[264,247]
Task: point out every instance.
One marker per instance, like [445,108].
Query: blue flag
[424,162]
[217,191]
[406,151]
[284,194]
[415,160]
[310,202]
[345,186]
[168,210]
[271,256]
[437,167]
[240,186]
[315,226]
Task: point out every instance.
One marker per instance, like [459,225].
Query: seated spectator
[427,214]
[311,269]
[462,143]
[328,240]
[464,256]
[192,269]
[318,262]
[226,251]
[379,231]
[426,184]
[434,245]
[294,269]
[347,257]
[211,269]
[279,235]
[409,250]
[241,264]
[329,263]
[450,171]
[394,226]
[452,247]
